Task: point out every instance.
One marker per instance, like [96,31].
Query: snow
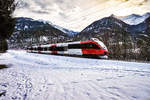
[20,19]
[69,32]
[88,29]
[49,77]
[118,24]
[45,22]
[25,27]
[135,19]
[144,35]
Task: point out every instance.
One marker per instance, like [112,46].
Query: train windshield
[102,45]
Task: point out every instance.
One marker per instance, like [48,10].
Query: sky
[78,14]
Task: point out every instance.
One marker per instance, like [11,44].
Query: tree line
[123,46]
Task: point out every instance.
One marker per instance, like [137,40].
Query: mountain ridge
[134,19]
[26,20]
[27,28]
[113,22]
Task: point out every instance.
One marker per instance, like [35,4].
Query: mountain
[110,28]
[124,41]
[108,25]
[112,25]
[25,24]
[30,31]
[140,24]
[105,23]
[69,32]
[141,28]
[134,19]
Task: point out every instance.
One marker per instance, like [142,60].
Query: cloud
[139,2]
[41,4]
[77,14]
[62,15]
[22,4]
[134,2]
[39,12]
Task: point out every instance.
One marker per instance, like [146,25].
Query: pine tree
[7,23]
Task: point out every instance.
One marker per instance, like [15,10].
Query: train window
[89,45]
[57,49]
[29,48]
[45,49]
[39,48]
[52,49]
[65,48]
[74,46]
[34,48]
[94,46]
[83,46]
[60,48]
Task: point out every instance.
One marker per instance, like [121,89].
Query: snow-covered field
[48,77]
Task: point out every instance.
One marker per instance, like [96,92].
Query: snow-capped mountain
[109,27]
[28,31]
[69,32]
[112,25]
[141,28]
[26,24]
[134,19]
[29,23]
[105,23]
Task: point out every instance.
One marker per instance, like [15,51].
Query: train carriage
[91,48]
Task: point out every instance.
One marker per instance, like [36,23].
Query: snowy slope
[49,77]
[69,32]
[24,23]
[135,19]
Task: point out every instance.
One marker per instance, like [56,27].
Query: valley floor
[32,76]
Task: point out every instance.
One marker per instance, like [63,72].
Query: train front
[103,50]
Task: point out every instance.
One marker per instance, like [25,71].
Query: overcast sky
[77,14]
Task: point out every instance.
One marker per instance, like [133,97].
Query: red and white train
[91,48]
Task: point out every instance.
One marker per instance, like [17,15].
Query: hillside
[103,26]
[113,25]
[134,19]
[124,41]
[30,31]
